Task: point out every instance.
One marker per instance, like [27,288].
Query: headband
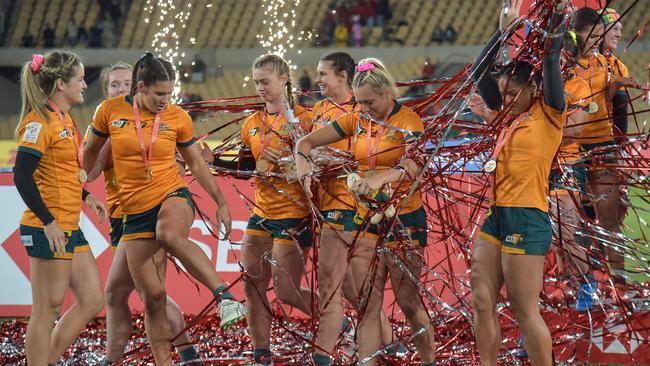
[608,15]
[574,37]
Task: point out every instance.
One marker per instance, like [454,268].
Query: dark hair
[520,72]
[584,19]
[341,61]
[150,70]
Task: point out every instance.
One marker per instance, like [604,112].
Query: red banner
[15,292]
[609,342]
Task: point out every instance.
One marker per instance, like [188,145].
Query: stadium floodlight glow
[280,21]
[166,40]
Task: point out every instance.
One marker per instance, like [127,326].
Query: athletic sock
[189,354]
[221,294]
[262,356]
[321,360]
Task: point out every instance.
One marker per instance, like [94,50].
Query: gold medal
[149,174]
[289,166]
[351,179]
[83,176]
[490,165]
[593,107]
[262,165]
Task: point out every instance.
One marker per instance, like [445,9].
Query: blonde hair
[106,72]
[39,86]
[377,78]
[280,66]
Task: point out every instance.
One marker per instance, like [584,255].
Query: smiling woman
[49,177]
[156,204]
[381,131]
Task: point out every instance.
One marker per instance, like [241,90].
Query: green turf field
[636,223]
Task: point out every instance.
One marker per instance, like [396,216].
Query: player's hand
[480,109]
[206,153]
[271,155]
[223,218]
[306,181]
[97,206]
[509,13]
[55,238]
[367,185]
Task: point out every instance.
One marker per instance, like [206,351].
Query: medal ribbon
[504,136]
[372,150]
[154,134]
[341,108]
[68,131]
[265,139]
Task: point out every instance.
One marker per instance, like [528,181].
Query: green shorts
[341,220]
[608,156]
[143,225]
[518,230]
[411,228]
[283,231]
[574,178]
[115,231]
[35,241]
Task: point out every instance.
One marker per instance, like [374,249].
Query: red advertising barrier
[605,341]
[15,292]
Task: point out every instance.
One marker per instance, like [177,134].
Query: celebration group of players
[137,135]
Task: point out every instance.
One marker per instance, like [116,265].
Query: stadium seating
[33,16]
[222,23]
[237,24]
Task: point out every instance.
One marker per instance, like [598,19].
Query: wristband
[302,180]
[303,155]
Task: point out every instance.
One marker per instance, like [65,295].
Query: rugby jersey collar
[396,109]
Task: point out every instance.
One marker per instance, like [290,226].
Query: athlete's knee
[351,297]
[483,301]
[168,239]
[327,287]
[524,309]
[154,300]
[411,305]
[46,311]
[255,288]
[117,296]
[92,303]
[287,292]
